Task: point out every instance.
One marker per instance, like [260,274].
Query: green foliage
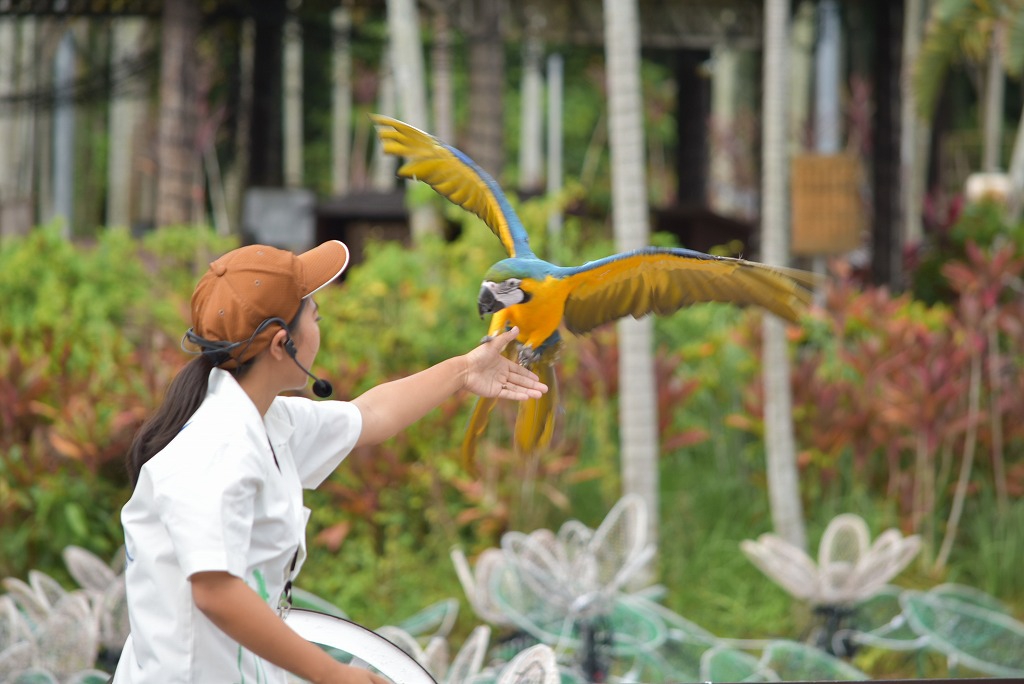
[176,257]
[58,296]
[949,22]
[404,308]
[992,542]
[711,501]
[48,505]
[964,31]
[710,352]
[381,581]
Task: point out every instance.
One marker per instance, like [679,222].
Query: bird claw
[528,356]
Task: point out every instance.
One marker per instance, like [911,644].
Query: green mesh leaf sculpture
[969,634]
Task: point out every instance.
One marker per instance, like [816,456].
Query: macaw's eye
[510,284]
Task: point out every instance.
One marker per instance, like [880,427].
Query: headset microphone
[321,387]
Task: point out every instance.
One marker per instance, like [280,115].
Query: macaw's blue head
[502,287]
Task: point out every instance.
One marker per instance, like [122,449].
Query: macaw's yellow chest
[539,317]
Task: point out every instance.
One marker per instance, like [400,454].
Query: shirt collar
[224,387]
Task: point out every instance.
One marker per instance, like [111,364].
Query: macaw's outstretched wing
[456,177]
[663,280]
[535,418]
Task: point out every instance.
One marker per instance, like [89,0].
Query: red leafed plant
[912,392]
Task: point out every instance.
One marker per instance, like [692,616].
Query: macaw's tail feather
[474,431]
[535,421]
[478,419]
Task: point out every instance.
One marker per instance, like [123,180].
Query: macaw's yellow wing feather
[661,281]
[454,176]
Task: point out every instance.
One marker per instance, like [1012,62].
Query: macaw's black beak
[487,303]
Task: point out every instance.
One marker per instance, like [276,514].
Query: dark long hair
[184,395]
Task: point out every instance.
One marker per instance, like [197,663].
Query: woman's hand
[489,374]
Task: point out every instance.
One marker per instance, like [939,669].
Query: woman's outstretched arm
[389,408]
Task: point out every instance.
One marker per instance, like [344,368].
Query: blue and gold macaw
[540,297]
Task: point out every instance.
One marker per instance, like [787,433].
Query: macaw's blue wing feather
[663,280]
[456,177]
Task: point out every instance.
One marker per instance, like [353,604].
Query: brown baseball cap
[251,284]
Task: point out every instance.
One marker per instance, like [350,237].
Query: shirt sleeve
[207,506]
[324,433]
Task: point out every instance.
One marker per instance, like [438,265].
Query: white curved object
[364,644]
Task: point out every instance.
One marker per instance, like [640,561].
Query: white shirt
[213,499]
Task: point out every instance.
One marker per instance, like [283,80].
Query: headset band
[219,351]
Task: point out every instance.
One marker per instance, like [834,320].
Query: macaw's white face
[497,296]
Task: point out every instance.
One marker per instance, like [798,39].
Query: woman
[215,528]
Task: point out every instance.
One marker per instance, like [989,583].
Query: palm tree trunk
[126,117]
[176,150]
[26,124]
[237,176]
[341,115]
[554,138]
[995,87]
[443,95]
[486,76]
[531,135]
[780,451]
[292,110]
[407,61]
[8,81]
[64,135]
[410,79]
[638,409]
[913,131]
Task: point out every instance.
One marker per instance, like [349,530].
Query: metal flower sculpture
[103,583]
[49,633]
[569,589]
[850,569]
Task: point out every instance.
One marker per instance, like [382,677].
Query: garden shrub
[88,341]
